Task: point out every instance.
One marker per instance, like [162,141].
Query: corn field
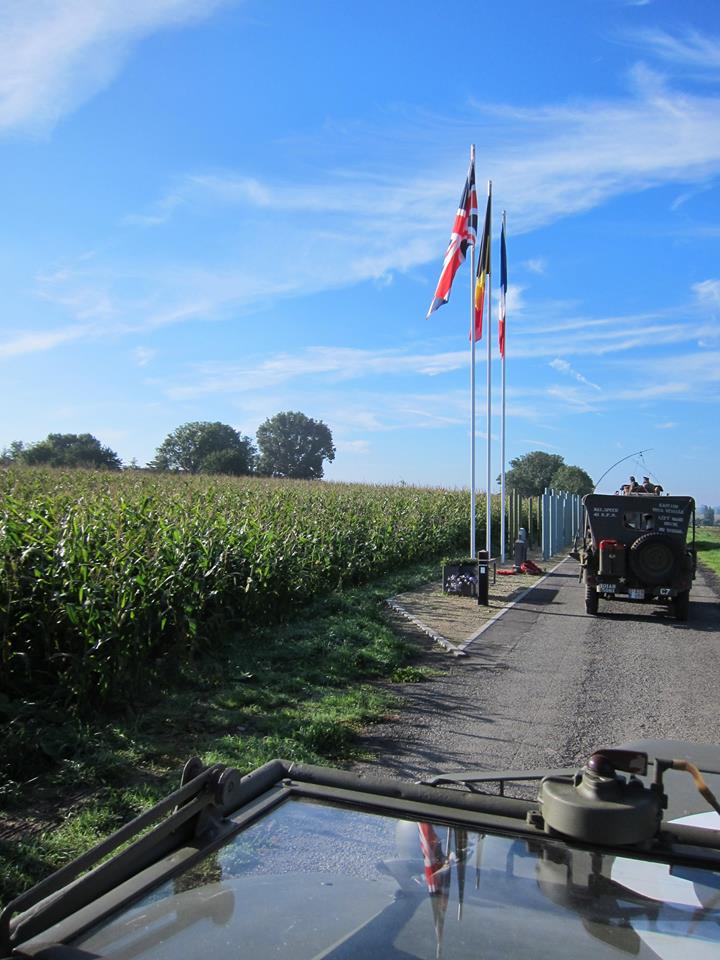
[106,579]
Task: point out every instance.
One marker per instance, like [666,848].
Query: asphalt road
[546,685]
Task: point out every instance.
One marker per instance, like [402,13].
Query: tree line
[289,444]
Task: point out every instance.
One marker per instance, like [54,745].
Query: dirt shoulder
[454,621]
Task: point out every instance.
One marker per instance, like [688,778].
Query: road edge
[486,626]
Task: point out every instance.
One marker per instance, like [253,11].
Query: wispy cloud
[708,292]
[55,54]
[514,302]
[538,329]
[143,355]
[554,160]
[536,265]
[562,366]
[39,342]
[331,363]
[161,212]
[352,446]
[693,369]
[575,400]
[550,162]
[687,47]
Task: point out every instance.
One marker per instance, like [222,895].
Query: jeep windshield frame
[216,805]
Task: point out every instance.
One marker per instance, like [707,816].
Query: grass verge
[301,690]
[707,541]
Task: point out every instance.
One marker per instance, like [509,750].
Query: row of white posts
[561,520]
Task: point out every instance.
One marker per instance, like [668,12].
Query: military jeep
[635,548]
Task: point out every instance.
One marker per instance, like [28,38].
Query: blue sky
[219,210]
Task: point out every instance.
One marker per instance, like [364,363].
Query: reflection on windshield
[317,881]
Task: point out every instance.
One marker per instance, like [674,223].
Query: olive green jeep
[635,548]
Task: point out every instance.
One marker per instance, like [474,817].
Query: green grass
[707,541]
[300,690]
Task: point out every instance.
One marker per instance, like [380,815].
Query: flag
[433,858]
[483,272]
[437,879]
[464,233]
[503,291]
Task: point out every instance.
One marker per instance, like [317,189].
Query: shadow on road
[703,615]
[697,620]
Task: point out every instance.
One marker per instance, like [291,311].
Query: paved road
[547,684]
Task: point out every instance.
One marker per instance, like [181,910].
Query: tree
[531,473]
[192,445]
[11,454]
[293,445]
[69,450]
[233,463]
[572,480]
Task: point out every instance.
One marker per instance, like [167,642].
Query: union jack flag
[464,233]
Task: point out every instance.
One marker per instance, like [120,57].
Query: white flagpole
[488,498]
[502,429]
[472,384]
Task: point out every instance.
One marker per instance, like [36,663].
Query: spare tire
[655,558]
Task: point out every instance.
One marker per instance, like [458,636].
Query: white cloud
[161,213]
[549,162]
[708,292]
[41,341]
[691,369]
[55,54]
[513,299]
[352,446]
[333,363]
[669,425]
[543,444]
[576,399]
[687,48]
[652,391]
[536,265]
[685,197]
[143,355]
[563,366]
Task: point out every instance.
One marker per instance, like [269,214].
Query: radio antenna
[638,453]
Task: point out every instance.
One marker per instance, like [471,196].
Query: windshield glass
[312,880]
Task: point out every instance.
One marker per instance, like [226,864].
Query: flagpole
[502,433]
[488,498]
[472,386]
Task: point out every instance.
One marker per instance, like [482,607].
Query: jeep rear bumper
[609,588]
